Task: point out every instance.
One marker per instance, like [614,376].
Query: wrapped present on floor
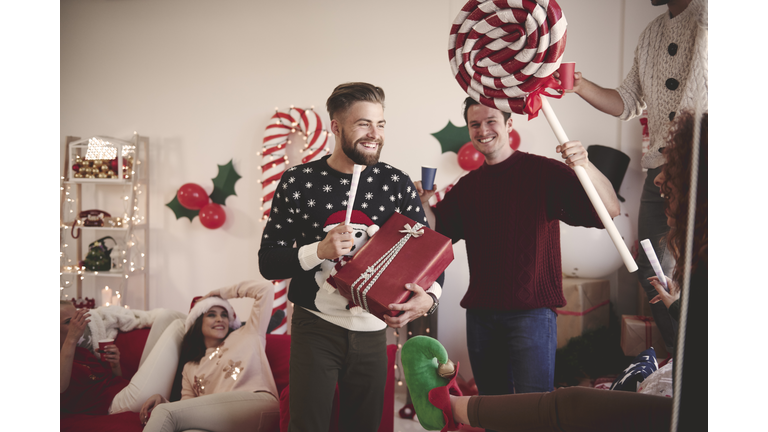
[643,306]
[638,333]
[587,307]
[401,252]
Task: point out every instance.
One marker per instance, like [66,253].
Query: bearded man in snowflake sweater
[329,343]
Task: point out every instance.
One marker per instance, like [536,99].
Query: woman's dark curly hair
[676,185]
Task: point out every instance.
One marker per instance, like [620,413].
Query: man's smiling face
[362,132]
[489,133]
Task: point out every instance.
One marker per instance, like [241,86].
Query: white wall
[202,78]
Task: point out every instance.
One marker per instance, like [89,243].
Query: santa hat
[357,217]
[202,305]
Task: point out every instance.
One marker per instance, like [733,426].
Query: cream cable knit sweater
[669,73]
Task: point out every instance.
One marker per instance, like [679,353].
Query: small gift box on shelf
[638,333]
[587,307]
[401,252]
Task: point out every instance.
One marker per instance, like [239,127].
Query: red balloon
[212,216]
[192,196]
[514,139]
[469,158]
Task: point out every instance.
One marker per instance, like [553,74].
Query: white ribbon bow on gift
[412,231]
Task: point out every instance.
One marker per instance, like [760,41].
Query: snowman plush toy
[363,229]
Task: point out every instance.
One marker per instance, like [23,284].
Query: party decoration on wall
[307,124]
[212,216]
[192,196]
[191,199]
[503,56]
[180,211]
[514,139]
[224,183]
[452,137]
[469,158]
[304,122]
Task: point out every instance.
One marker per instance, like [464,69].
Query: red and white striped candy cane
[308,124]
[500,51]
[503,54]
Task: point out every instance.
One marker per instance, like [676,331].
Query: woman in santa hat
[225,383]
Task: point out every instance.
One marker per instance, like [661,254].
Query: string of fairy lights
[128,254]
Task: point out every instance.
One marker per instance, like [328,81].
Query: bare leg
[459,408]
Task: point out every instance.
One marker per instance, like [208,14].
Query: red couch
[278,348]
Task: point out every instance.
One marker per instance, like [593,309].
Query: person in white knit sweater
[669,73]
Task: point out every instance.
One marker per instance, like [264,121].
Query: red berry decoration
[469,158]
[514,139]
[192,196]
[212,216]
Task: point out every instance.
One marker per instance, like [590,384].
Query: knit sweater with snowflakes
[310,200]
[669,73]
[509,215]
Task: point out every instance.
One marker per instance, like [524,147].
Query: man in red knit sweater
[509,211]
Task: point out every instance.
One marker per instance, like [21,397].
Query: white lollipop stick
[597,203]
[352,191]
[654,262]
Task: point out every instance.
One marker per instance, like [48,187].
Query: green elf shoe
[431,379]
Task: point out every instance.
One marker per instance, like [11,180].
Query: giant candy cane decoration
[308,124]
[503,54]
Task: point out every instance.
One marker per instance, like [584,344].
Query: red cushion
[131,345]
[278,350]
[123,422]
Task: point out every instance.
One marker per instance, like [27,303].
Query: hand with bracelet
[420,304]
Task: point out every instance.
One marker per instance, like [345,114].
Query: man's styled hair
[346,94]
[468,102]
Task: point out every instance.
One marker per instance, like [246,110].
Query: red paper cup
[567,69]
[103,344]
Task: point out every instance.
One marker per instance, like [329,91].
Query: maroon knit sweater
[509,215]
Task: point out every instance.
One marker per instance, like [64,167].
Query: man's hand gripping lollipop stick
[586,183]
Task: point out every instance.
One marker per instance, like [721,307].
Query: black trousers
[324,355]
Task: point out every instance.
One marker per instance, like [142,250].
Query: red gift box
[396,255]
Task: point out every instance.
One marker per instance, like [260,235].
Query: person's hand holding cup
[106,346]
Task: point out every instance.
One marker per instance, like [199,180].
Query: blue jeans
[512,351]
[652,224]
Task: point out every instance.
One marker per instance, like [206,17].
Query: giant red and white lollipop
[503,54]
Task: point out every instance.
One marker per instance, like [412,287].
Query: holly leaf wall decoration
[452,137]
[180,211]
[224,183]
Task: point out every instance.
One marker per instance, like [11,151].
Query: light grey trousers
[222,412]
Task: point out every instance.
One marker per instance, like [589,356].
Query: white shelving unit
[124,197]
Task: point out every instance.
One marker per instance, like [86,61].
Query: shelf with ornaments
[97,159]
[119,205]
